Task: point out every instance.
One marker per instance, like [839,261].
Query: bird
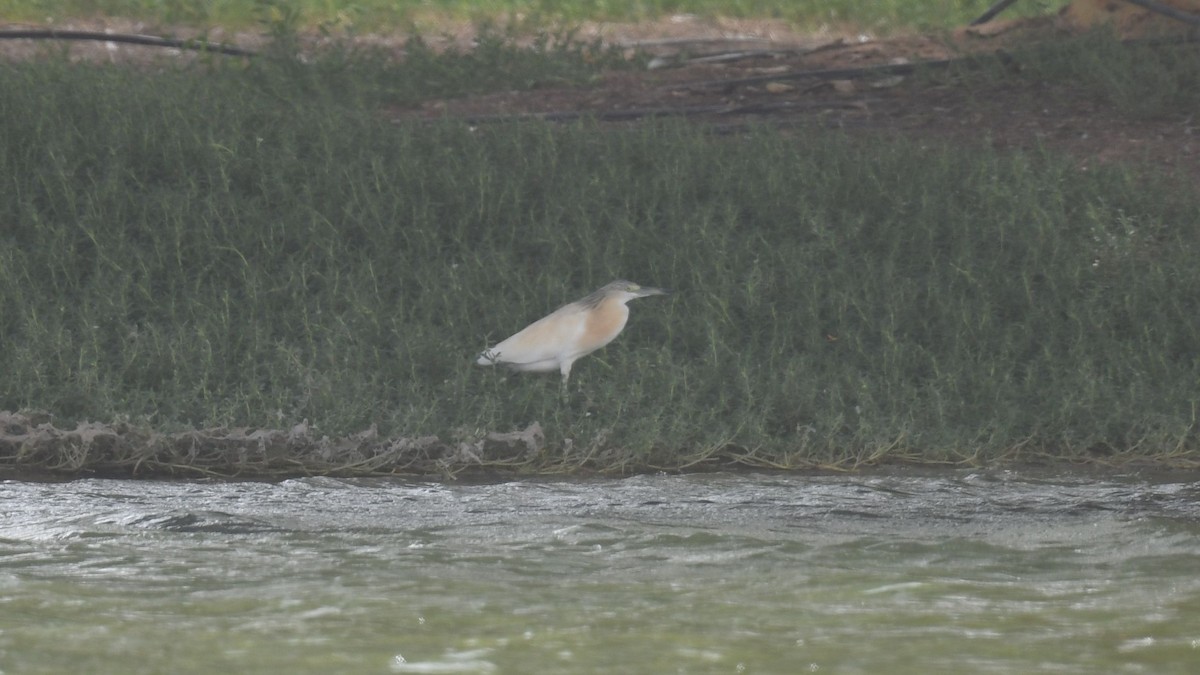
[557,340]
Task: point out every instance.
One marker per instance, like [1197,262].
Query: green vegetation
[257,245]
[1139,79]
[364,75]
[882,17]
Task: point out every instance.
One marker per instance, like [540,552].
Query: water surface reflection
[900,571]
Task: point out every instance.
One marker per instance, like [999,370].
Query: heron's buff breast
[604,323]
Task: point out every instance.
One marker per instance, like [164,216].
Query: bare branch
[993,11]
[146,40]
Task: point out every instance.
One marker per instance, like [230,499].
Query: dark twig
[1178,15]
[726,57]
[680,111]
[993,11]
[601,115]
[717,57]
[146,40]
[671,42]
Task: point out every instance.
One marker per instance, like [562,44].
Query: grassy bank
[258,246]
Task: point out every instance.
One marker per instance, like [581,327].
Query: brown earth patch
[731,73]
[734,83]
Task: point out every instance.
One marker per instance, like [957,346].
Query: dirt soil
[731,79]
[730,73]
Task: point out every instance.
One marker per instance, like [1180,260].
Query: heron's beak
[644,291]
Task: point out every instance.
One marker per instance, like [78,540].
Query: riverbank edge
[32,447]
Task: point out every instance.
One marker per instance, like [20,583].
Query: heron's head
[631,290]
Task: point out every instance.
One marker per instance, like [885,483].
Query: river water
[898,572]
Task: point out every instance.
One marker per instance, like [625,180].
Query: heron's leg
[565,369]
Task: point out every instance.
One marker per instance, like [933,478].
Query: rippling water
[957,572]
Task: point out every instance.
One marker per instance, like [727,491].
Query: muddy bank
[30,442]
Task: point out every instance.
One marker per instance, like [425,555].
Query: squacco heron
[557,340]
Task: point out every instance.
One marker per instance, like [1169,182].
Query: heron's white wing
[543,344]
